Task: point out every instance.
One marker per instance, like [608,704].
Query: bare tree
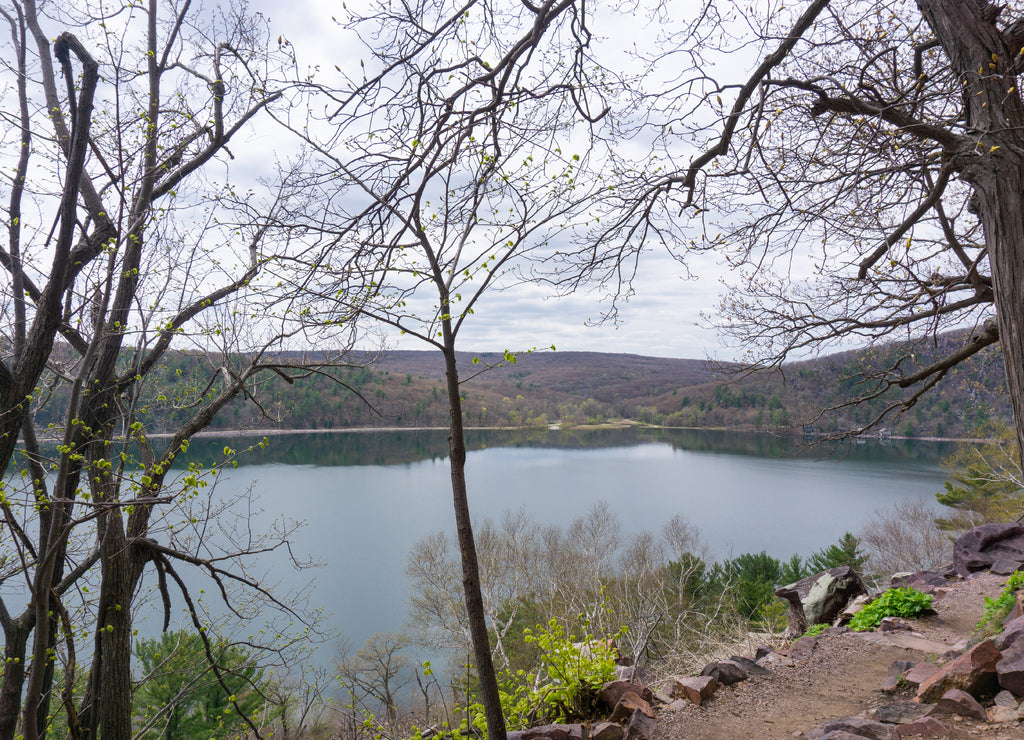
[125,241]
[676,604]
[861,179]
[906,537]
[447,167]
[375,676]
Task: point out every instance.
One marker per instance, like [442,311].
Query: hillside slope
[407,389]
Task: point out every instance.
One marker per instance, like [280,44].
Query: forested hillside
[405,389]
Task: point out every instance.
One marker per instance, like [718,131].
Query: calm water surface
[366,497]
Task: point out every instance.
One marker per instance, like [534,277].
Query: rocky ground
[842,678]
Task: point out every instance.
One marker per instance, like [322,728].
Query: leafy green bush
[896,602]
[816,629]
[564,688]
[572,672]
[996,609]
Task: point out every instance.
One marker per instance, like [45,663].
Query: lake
[365,497]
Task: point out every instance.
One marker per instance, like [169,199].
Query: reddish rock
[726,672]
[1006,566]
[978,548]
[776,660]
[853,607]
[751,667]
[960,703]
[924,727]
[612,692]
[628,705]
[634,674]
[925,581]
[894,624]
[641,727]
[1006,699]
[1010,669]
[697,689]
[973,672]
[920,673]
[554,732]
[802,648]
[1010,634]
[660,698]
[899,712]
[606,731]
[895,675]
[864,728]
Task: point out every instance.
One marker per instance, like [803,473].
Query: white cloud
[660,318]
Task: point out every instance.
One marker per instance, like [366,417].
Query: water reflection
[410,446]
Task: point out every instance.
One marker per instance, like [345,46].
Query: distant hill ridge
[606,377]
[406,389]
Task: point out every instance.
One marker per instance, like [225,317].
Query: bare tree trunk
[115,625]
[1002,214]
[467,547]
[982,59]
[16,634]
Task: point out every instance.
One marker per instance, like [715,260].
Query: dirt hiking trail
[842,678]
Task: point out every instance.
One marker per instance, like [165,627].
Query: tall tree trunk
[1002,214]
[110,712]
[982,60]
[115,625]
[467,547]
[16,634]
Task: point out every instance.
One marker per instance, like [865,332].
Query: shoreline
[622,424]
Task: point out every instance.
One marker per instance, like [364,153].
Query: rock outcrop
[979,548]
[973,672]
[962,685]
[820,598]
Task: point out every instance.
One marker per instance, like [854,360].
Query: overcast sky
[662,318]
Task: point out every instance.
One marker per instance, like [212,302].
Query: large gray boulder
[820,598]
[978,548]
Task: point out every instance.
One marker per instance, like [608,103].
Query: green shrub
[563,689]
[896,602]
[996,609]
[816,629]
[571,673]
